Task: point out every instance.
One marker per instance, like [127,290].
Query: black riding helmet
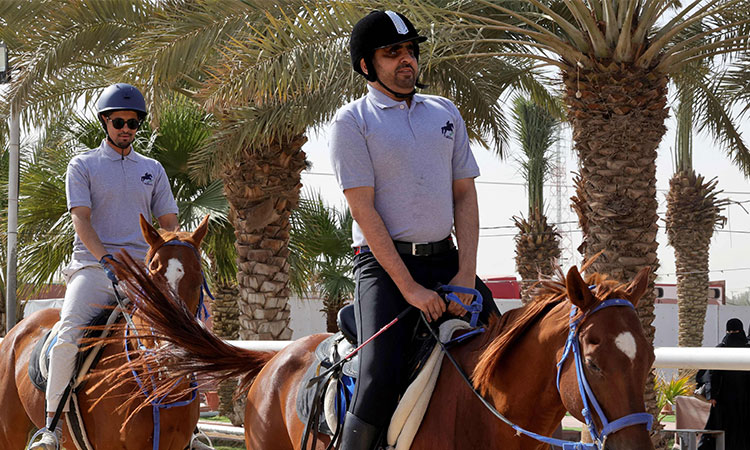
[381,29]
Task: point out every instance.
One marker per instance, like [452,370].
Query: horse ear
[579,293]
[200,232]
[153,238]
[638,286]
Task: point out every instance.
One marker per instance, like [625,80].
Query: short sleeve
[349,155]
[464,164]
[77,184]
[162,200]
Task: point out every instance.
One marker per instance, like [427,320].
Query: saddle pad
[410,411]
[39,359]
[328,352]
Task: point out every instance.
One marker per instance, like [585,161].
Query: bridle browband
[202,313]
[572,343]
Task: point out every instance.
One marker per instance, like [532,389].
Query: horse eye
[592,365]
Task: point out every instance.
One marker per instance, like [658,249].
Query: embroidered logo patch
[147,178]
[447,130]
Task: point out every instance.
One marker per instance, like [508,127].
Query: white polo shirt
[409,155]
[117,189]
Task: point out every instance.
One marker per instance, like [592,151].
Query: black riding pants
[377,301]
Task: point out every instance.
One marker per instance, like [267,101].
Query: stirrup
[195,444]
[45,433]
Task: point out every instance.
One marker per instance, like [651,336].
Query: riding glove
[107,266]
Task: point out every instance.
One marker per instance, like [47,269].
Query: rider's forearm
[169,222]
[81,217]
[361,204]
[466,222]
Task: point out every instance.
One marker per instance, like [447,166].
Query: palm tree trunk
[262,186]
[226,325]
[693,211]
[617,113]
[537,251]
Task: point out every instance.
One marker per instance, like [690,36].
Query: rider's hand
[426,300]
[713,402]
[106,263]
[463,281]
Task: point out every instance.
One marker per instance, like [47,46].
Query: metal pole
[10,279]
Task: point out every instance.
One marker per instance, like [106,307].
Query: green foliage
[320,250]
[668,390]
[536,130]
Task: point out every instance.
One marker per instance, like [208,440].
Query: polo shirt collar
[381,100]
[112,154]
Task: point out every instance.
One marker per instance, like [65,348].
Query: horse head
[615,359]
[176,257]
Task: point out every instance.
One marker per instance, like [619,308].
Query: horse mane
[547,293]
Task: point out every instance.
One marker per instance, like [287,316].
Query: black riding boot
[357,434]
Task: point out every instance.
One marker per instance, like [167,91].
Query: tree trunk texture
[262,186]
[226,325]
[537,251]
[693,212]
[617,113]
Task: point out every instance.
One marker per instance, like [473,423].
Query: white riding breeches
[88,290]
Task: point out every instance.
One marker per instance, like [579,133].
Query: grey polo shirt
[409,155]
[117,190]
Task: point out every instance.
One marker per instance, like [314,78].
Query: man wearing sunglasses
[107,189]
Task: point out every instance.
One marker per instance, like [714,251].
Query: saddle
[85,361]
[322,402]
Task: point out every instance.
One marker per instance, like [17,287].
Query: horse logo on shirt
[447,130]
[147,179]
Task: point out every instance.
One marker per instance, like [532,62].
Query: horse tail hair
[184,346]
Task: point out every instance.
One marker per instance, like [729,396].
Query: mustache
[405,66]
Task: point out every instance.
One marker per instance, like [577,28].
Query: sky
[501,195]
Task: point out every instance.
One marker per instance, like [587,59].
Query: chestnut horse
[514,366]
[106,412]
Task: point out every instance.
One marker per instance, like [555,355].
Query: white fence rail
[666,357]
[719,358]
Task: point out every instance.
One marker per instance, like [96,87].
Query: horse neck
[525,383]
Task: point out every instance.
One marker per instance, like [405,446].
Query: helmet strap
[396,94]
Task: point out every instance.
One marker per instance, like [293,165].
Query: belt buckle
[415,248]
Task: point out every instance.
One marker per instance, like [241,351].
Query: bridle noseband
[587,395]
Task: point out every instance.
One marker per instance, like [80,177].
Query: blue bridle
[572,344]
[202,313]
[157,404]
[587,395]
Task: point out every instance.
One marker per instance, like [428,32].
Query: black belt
[416,249]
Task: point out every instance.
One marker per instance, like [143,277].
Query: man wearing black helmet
[107,189]
[404,163]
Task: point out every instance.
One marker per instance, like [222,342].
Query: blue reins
[157,404]
[587,395]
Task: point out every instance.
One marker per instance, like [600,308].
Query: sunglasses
[119,122]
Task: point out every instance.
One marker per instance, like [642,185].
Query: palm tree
[615,59]
[537,242]
[321,254]
[267,73]
[693,212]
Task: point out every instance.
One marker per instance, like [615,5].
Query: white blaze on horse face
[174,273]
[626,343]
